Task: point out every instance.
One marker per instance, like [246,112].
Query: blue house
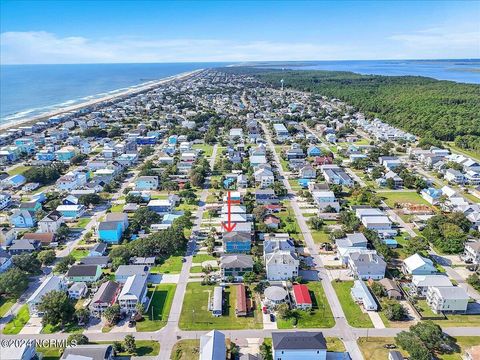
[146,140]
[170,218]
[32,206]
[314,151]
[26,145]
[304,183]
[65,154]
[227,183]
[110,231]
[237,242]
[15,181]
[71,211]
[5,261]
[45,155]
[22,219]
[172,140]
[39,197]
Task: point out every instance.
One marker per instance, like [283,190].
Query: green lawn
[335,344]
[71,328]
[320,236]
[393,197]
[82,223]
[79,253]
[185,350]
[14,326]
[373,347]
[50,353]
[196,269]
[144,347]
[159,307]
[320,317]
[294,184]
[20,169]
[117,208]
[289,223]
[172,265]
[207,149]
[196,316]
[5,305]
[353,312]
[200,258]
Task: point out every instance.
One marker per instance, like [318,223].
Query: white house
[134,291]
[418,265]
[420,284]
[296,345]
[451,299]
[366,264]
[51,283]
[325,199]
[212,346]
[361,294]
[78,290]
[281,265]
[51,222]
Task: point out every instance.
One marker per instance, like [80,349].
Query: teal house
[110,231]
[314,151]
[85,273]
[237,242]
[65,153]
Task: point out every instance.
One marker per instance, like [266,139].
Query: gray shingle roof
[298,340]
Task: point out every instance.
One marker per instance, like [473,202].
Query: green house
[85,273]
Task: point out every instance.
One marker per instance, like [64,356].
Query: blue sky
[160,31]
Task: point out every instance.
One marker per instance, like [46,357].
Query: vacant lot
[185,350]
[156,315]
[172,265]
[411,197]
[14,326]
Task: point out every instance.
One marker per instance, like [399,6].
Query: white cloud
[40,47]
[43,47]
[462,42]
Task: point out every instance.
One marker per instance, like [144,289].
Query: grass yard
[144,347]
[196,316]
[196,270]
[294,184]
[354,314]
[159,306]
[117,208]
[79,253]
[70,328]
[185,350]
[321,315]
[20,169]
[459,321]
[320,236]
[393,197]
[424,310]
[50,353]
[289,223]
[172,265]
[5,305]
[335,344]
[14,326]
[207,149]
[82,223]
[200,258]
[373,347]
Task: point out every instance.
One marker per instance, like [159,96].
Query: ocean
[29,90]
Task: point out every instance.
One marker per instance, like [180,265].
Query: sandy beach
[138,89]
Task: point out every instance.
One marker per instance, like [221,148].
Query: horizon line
[241,62]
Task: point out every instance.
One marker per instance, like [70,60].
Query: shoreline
[137,89]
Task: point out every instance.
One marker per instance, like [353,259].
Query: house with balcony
[237,241]
[105,297]
[51,283]
[471,253]
[449,299]
[235,265]
[134,292]
[146,183]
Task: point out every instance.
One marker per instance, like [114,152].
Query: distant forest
[444,110]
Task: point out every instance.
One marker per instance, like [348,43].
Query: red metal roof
[301,294]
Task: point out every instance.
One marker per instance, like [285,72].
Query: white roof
[431,280]
[160,202]
[51,283]
[452,292]
[415,261]
[212,346]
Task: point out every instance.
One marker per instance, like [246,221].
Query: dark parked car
[272,318]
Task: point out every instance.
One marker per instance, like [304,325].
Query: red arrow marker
[229,226]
